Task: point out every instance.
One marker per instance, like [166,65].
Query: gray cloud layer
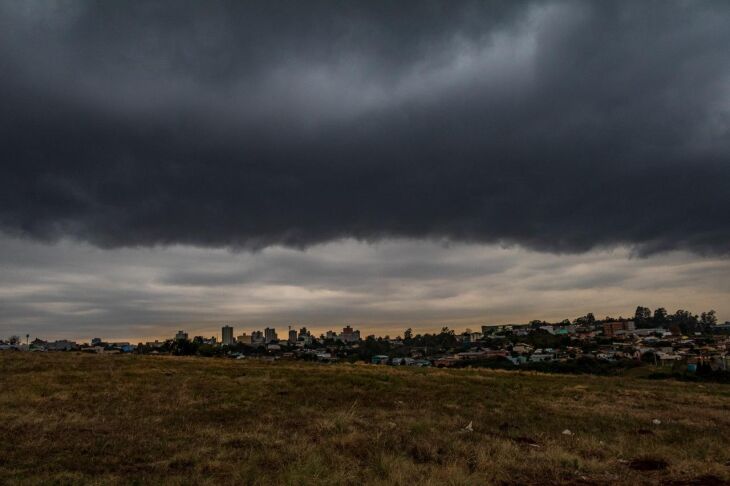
[78,291]
[558,126]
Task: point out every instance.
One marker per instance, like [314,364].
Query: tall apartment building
[227,332]
[270,335]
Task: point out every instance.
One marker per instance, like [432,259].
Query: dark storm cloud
[559,126]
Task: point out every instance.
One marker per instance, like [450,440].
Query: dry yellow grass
[71,418]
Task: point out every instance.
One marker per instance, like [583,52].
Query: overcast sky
[181,164]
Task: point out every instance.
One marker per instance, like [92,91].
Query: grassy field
[71,418]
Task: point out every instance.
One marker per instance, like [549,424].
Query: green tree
[642,314]
[660,315]
[585,320]
[447,338]
[707,320]
[687,322]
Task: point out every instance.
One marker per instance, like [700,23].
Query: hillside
[71,418]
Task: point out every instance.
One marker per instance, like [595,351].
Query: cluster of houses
[610,341]
[96,345]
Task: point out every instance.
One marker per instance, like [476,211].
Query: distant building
[292,336]
[124,347]
[257,337]
[244,339]
[270,335]
[349,335]
[38,344]
[227,336]
[491,329]
[96,341]
[305,336]
[565,330]
[62,345]
[180,336]
[331,335]
[463,338]
[611,329]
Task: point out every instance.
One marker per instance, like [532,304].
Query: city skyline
[230,333]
